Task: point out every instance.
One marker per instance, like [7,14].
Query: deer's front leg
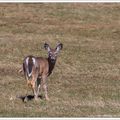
[38,82]
[45,87]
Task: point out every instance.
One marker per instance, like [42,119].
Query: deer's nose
[53,58]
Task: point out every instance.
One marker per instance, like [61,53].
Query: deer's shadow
[29,97]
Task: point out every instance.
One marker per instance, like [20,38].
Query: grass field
[86,78]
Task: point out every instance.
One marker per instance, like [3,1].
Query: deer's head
[52,53]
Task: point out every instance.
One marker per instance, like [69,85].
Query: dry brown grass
[86,78]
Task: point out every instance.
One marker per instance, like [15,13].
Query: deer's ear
[47,47]
[59,47]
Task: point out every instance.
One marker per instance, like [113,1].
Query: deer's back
[43,65]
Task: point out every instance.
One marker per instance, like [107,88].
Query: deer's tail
[28,65]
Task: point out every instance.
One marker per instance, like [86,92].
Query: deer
[40,68]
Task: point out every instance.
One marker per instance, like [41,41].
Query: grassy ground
[86,78]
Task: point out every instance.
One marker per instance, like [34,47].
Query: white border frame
[58,1]
[60,118]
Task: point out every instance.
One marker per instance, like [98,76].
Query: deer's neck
[51,65]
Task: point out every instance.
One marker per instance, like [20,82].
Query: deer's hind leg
[28,85]
[35,86]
